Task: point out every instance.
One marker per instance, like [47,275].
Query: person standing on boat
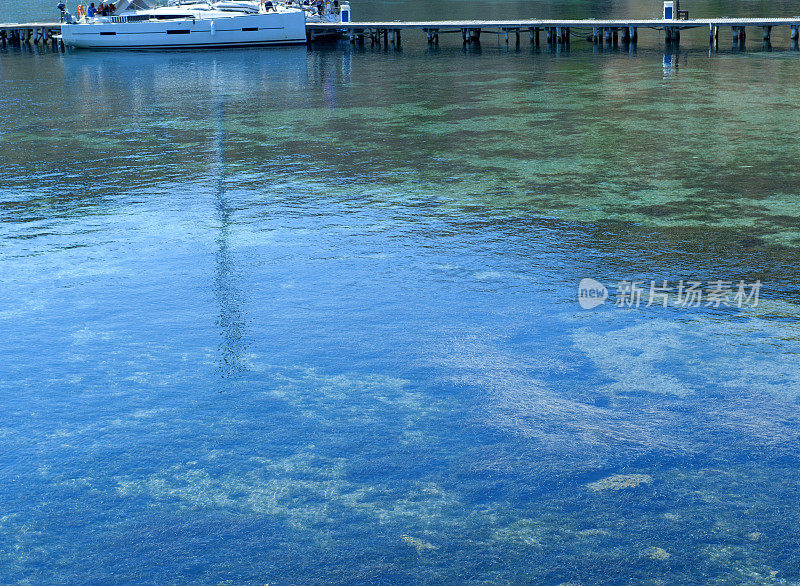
[92,11]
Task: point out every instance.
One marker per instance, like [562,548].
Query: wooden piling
[534,31]
[672,35]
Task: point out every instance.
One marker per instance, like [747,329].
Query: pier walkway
[554,31]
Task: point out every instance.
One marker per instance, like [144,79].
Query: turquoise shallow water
[295,316]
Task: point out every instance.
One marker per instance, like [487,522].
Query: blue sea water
[310,316]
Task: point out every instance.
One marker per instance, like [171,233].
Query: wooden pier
[32,33]
[553,32]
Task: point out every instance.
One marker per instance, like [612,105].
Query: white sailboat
[138,24]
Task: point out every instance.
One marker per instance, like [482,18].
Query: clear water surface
[309,316]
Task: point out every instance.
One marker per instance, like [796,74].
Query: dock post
[397,37]
[567,35]
[594,35]
[559,35]
[625,38]
[767,32]
[464,35]
[516,32]
[506,35]
[793,32]
[2,38]
[609,35]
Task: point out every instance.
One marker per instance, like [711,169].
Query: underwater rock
[656,553]
[620,482]
[418,544]
[755,536]
[591,532]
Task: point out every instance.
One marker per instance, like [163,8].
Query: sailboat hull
[274,28]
